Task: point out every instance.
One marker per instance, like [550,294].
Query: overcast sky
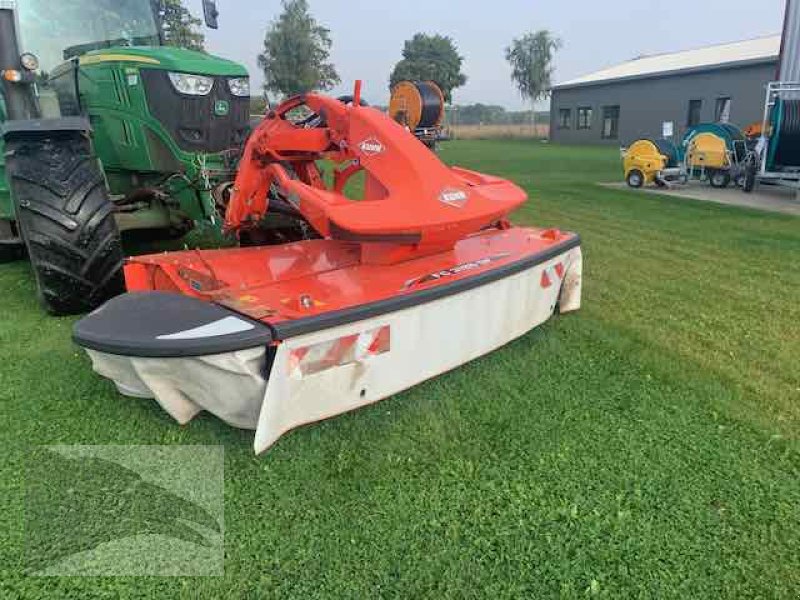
[368,35]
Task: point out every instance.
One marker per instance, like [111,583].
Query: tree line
[296,59]
[490,114]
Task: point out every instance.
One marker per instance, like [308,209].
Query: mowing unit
[106,130]
[716,152]
[421,274]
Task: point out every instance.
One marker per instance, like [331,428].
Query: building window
[610,123]
[695,109]
[585,117]
[564,118]
[722,111]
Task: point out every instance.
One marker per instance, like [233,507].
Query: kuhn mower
[360,300]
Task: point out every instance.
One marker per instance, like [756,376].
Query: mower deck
[273,338]
[298,288]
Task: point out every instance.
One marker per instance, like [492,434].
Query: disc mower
[376,292]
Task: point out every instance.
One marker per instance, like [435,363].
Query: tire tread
[67,222]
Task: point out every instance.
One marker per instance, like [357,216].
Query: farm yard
[645,446]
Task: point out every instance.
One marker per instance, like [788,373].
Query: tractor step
[11,249]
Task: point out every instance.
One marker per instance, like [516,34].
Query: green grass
[646,446]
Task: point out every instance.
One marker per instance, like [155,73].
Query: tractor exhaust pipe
[19,100]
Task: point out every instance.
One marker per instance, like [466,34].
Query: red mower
[350,300]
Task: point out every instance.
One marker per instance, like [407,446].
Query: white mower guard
[416,344]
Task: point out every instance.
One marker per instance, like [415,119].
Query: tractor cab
[52,33]
[94,83]
[151,105]
[56,32]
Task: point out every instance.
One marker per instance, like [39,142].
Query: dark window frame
[719,108]
[562,122]
[612,111]
[691,121]
[584,117]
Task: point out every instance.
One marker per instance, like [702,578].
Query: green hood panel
[167,58]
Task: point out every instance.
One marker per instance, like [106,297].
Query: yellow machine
[644,162]
[710,151]
[419,106]
[707,151]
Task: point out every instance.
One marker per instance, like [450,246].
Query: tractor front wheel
[66,220]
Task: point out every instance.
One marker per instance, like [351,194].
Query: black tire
[750,169]
[719,179]
[635,178]
[66,220]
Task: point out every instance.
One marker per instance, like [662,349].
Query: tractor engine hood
[214,121]
[167,58]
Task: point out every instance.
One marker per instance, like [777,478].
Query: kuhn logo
[371,147]
[453,197]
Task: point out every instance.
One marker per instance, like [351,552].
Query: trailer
[776,159]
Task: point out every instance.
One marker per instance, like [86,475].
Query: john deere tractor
[107,130]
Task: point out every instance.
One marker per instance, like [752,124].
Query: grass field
[647,446]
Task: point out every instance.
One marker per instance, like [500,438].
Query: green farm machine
[106,130]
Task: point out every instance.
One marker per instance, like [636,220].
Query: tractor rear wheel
[66,220]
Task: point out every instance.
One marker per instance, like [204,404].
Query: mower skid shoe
[187,354]
[411,345]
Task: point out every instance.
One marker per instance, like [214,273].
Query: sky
[368,35]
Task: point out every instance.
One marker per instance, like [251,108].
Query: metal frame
[786,178]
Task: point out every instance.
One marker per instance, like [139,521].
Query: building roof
[753,51]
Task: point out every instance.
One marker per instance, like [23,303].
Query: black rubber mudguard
[164,325]
[14,129]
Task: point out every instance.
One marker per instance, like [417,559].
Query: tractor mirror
[211,14]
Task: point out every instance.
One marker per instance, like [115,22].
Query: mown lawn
[647,446]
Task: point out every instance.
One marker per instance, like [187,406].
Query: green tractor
[106,130]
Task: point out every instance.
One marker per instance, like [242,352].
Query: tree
[296,52]
[434,58]
[531,60]
[179,26]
